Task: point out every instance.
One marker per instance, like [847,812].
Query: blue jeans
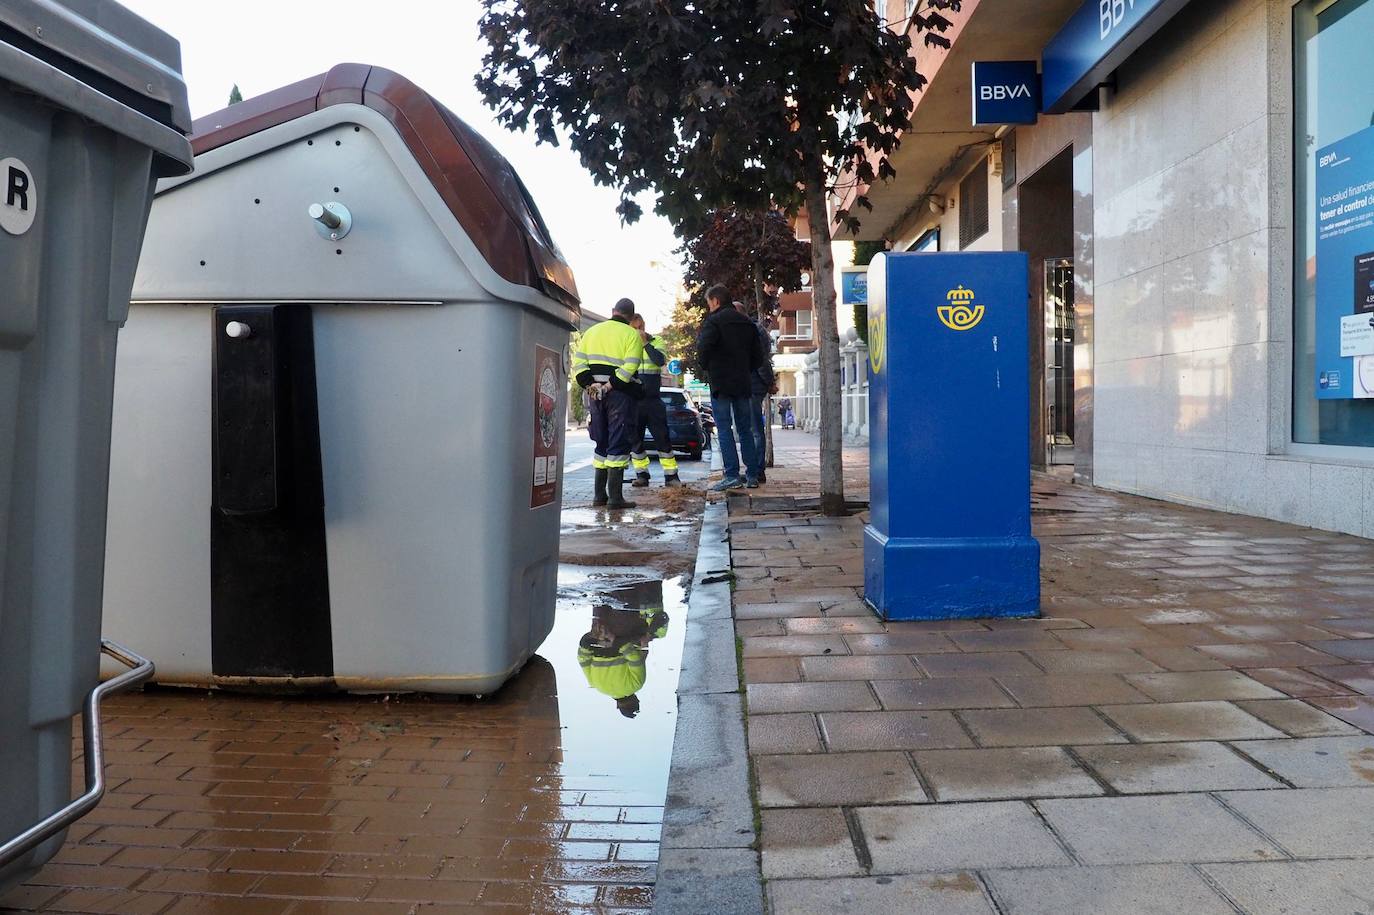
[734,418]
[760,435]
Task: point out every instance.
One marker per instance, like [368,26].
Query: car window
[674,399]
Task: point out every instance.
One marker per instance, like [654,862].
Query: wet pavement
[545,797]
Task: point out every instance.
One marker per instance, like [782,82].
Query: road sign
[674,366]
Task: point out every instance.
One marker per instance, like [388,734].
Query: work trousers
[612,425]
[652,415]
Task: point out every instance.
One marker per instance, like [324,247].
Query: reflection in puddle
[615,651]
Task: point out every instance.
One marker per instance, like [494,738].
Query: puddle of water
[615,652]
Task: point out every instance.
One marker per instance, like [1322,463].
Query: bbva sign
[1005,92]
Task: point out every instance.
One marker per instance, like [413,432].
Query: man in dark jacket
[729,351]
[761,385]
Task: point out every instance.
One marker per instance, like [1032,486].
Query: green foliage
[863,256]
[711,103]
[235,96]
[864,251]
[680,335]
[576,407]
[732,243]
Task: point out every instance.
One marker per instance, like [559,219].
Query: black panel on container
[269,578]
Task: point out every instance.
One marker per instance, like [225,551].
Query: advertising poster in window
[1345,268]
[853,285]
[549,385]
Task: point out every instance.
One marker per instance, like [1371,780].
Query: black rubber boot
[599,496]
[671,479]
[641,479]
[614,481]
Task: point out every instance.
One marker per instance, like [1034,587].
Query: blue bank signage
[949,438]
[1345,268]
[1099,36]
[1005,92]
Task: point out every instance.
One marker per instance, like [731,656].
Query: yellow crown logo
[877,341]
[960,313]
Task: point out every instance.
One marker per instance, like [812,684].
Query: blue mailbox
[949,438]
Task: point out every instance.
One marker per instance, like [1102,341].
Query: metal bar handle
[140,670]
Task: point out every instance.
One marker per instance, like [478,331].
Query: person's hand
[773,389]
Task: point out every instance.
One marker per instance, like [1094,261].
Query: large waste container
[92,111]
[339,402]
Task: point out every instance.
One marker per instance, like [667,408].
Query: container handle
[140,670]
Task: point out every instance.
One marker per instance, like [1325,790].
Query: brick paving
[1187,728]
[541,798]
[247,805]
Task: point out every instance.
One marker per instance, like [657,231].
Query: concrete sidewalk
[1184,731]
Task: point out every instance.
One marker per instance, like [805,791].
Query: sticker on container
[18,197]
[549,385]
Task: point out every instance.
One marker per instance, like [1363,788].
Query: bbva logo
[1327,159]
[1003,93]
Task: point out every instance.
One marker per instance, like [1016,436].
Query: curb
[708,860]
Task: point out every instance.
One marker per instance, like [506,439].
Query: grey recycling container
[339,403]
[92,111]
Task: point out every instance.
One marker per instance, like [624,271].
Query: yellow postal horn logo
[877,341]
[960,313]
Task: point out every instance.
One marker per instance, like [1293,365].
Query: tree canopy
[235,96]
[708,103]
[743,250]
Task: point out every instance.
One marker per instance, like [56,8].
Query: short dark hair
[719,293]
[623,307]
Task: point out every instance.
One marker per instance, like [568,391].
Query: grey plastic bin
[92,111]
[337,451]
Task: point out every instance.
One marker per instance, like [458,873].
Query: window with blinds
[973,205]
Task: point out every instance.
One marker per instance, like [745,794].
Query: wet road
[545,797]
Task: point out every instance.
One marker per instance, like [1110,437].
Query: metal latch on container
[332,220]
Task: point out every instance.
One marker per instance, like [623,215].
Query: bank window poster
[854,285]
[1345,268]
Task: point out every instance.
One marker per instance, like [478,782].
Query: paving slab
[1350,649]
[1355,710]
[981,664]
[951,837]
[942,693]
[794,733]
[1298,718]
[1290,887]
[837,779]
[1317,762]
[1124,661]
[1125,890]
[770,698]
[1189,721]
[945,894]
[1158,829]
[861,667]
[1072,689]
[1039,727]
[811,842]
[1164,767]
[1311,822]
[991,774]
[1188,686]
[905,730]
[1297,682]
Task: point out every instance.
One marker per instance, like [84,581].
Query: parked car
[684,424]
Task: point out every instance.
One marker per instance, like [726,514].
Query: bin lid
[111,50]
[476,182]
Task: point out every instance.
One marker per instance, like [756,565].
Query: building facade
[1196,196]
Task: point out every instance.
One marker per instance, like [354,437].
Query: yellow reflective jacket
[610,351]
[617,676]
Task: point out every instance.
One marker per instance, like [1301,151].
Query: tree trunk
[758,286]
[828,335]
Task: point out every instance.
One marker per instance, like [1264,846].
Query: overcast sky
[262,45]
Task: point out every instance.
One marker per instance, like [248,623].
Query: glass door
[1058,360]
